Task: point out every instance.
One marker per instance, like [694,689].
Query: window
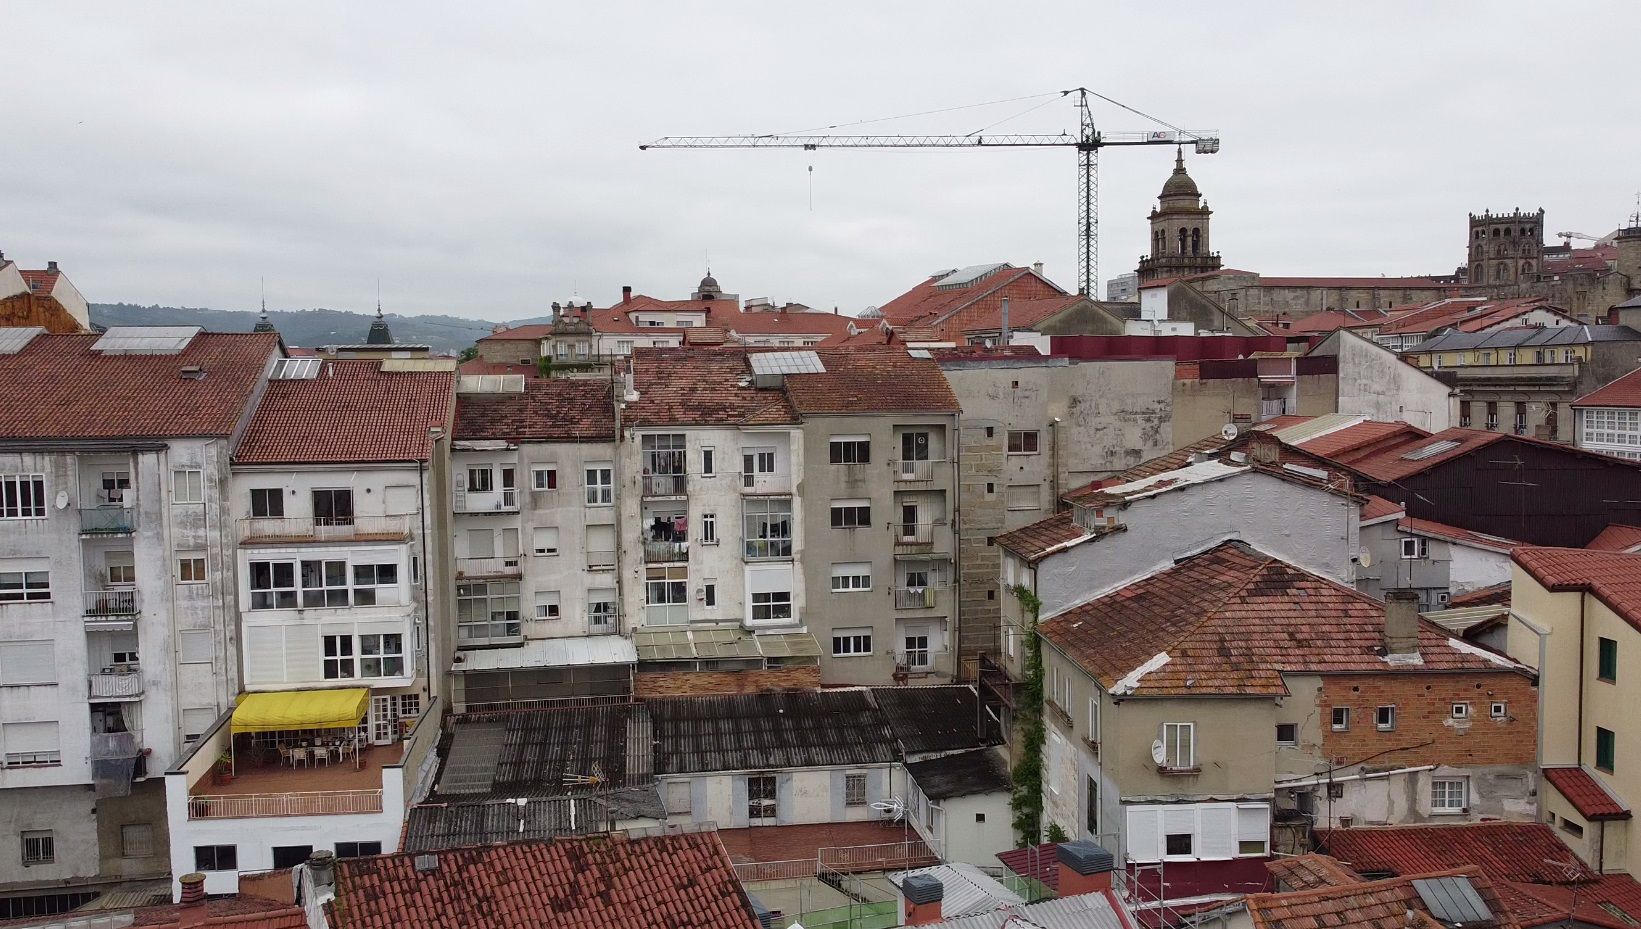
[481,480]
[767,527]
[1341,718]
[1461,711]
[119,568]
[216,857]
[195,720]
[273,585]
[761,802]
[1178,844]
[1606,657]
[852,641]
[709,528]
[358,849]
[1023,497]
[1022,441]
[756,462]
[851,576]
[547,606]
[851,514]
[333,507]
[1571,828]
[267,502]
[375,584]
[544,478]
[601,609]
[39,847]
[1384,718]
[338,657]
[136,840]
[191,569]
[487,611]
[1179,746]
[25,586]
[666,595]
[195,646]
[1415,548]
[709,461]
[1091,813]
[30,743]
[188,486]
[1287,733]
[382,655]
[1606,749]
[600,485]
[854,789]
[545,540]
[22,496]
[1499,711]
[771,606]
[851,449]
[1449,795]
[709,593]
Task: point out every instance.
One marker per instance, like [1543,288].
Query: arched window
[1182,241]
[1507,232]
[1495,233]
[1196,240]
[1498,273]
[1526,267]
[1161,247]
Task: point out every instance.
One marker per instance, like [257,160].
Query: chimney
[1003,329]
[923,893]
[1401,623]
[192,912]
[51,266]
[322,875]
[1085,868]
[1037,268]
[626,293]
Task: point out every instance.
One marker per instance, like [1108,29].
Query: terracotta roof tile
[41,282]
[614,882]
[1390,463]
[1341,442]
[353,411]
[1622,392]
[1380,508]
[1496,595]
[1023,313]
[77,393]
[1614,578]
[1384,904]
[702,387]
[873,382]
[483,366]
[532,332]
[551,409]
[1233,620]
[1616,538]
[1429,527]
[239,912]
[1585,791]
[1046,536]
[1308,872]
[1328,320]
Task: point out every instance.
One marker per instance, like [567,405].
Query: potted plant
[225,768]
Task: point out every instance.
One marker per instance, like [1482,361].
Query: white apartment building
[118,642]
[1609,418]
[340,514]
[534,527]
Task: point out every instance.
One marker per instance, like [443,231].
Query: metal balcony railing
[114,684]
[108,520]
[921,659]
[665,552]
[602,623]
[915,469]
[505,500]
[305,803]
[916,598]
[913,535]
[505,566]
[664,485]
[111,602]
[271,529]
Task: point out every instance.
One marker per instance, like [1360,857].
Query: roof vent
[193,372]
[426,864]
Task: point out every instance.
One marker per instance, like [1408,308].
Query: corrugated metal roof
[942,718]
[721,642]
[145,340]
[433,826]
[1086,911]
[1316,427]
[551,653]
[548,752]
[968,890]
[750,732]
[13,340]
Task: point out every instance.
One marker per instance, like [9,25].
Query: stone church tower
[1506,249]
[1179,230]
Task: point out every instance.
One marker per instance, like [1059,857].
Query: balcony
[505,500]
[112,684]
[768,550]
[114,604]
[918,598]
[664,485]
[264,786]
[108,520]
[602,622]
[112,746]
[913,537]
[600,561]
[507,566]
[276,530]
[306,803]
[922,660]
[916,470]
[665,552]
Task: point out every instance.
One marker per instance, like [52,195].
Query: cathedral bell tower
[1179,230]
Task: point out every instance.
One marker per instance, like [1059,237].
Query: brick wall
[696,683]
[31,310]
[1426,732]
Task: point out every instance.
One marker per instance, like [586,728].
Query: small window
[1178,844]
[358,849]
[216,858]
[1287,733]
[545,540]
[1499,711]
[187,486]
[1341,718]
[1022,441]
[267,502]
[1250,847]
[1179,746]
[1415,547]
[1606,749]
[851,514]
[851,577]
[1571,828]
[1384,718]
[709,461]
[39,847]
[191,569]
[544,478]
[1449,795]
[850,642]
[851,450]
[136,840]
[547,605]
[1607,660]
[854,789]
[1023,497]
[1461,711]
[709,528]
[481,480]
[600,485]
[709,593]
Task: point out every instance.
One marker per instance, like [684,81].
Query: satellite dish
[1228,431]
[62,499]
[1366,558]
[1157,753]
[893,809]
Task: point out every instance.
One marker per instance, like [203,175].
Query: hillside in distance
[305,328]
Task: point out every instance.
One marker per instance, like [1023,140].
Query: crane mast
[1088,141]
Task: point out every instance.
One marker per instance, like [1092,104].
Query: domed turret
[1179,184]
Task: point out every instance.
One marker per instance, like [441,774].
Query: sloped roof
[1496,595]
[1326,321]
[1385,904]
[1426,317]
[1391,463]
[1231,621]
[1038,540]
[605,882]
[961,774]
[239,912]
[928,303]
[861,381]
[353,411]
[1526,337]
[1586,792]
[74,392]
[1023,313]
[530,332]
[1310,871]
[789,729]
[702,387]
[940,718]
[1616,538]
[1620,392]
[1380,508]
[1429,527]
[41,282]
[551,409]
[1614,578]
[1340,443]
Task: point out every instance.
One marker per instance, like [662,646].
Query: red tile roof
[1622,392]
[1496,595]
[722,315]
[1038,540]
[483,366]
[1341,443]
[1390,462]
[1614,578]
[1308,872]
[1386,904]
[77,393]
[353,411]
[860,381]
[1428,527]
[1427,316]
[804,841]
[702,387]
[1380,508]
[1038,862]
[1023,313]
[532,332]
[1616,538]
[1328,320]
[1585,791]
[1365,283]
[949,311]
[1233,620]
[240,912]
[607,882]
[551,409]
[41,282]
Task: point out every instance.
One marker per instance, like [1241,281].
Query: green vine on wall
[1027,802]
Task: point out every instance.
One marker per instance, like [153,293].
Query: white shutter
[601,538]
[195,646]
[546,541]
[302,654]
[28,738]
[27,663]
[264,655]
[481,543]
[1143,832]
[1217,839]
[1253,824]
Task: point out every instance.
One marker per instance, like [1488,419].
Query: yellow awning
[301,709]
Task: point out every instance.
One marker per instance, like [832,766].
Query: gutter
[1317,781]
[1543,648]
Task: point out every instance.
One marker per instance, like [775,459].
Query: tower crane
[1568,237]
[1088,141]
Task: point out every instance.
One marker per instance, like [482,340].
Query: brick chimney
[923,893]
[1401,623]
[626,293]
[1085,868]
[191,911]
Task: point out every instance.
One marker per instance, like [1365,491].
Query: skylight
[145,340]
[1434,448]
[787,363]
[295,369]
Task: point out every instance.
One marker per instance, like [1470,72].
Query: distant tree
[469,353]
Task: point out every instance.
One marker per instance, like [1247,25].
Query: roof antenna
[378,298]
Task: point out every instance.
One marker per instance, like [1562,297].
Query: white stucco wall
[804,795]
[1375,382]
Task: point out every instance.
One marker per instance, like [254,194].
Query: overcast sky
[482,159]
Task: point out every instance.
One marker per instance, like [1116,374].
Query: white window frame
[841,448]
[709,461]
[25,587]
[709,528]
[1380,717]
[38,846]
[187,485]
[775,605]
[1287,742]
[1460,711]
[1339,719]
[191,568]
[338,655]
[23,496]
[549,606]
[1415,548]
[1035,437]
[544,478]
[856,577]
[1499,710]
[600,482]
[859,512]
[544,540]
[852,642]
[1179,746]
[378,660]
[1012,491]
[1443,793]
